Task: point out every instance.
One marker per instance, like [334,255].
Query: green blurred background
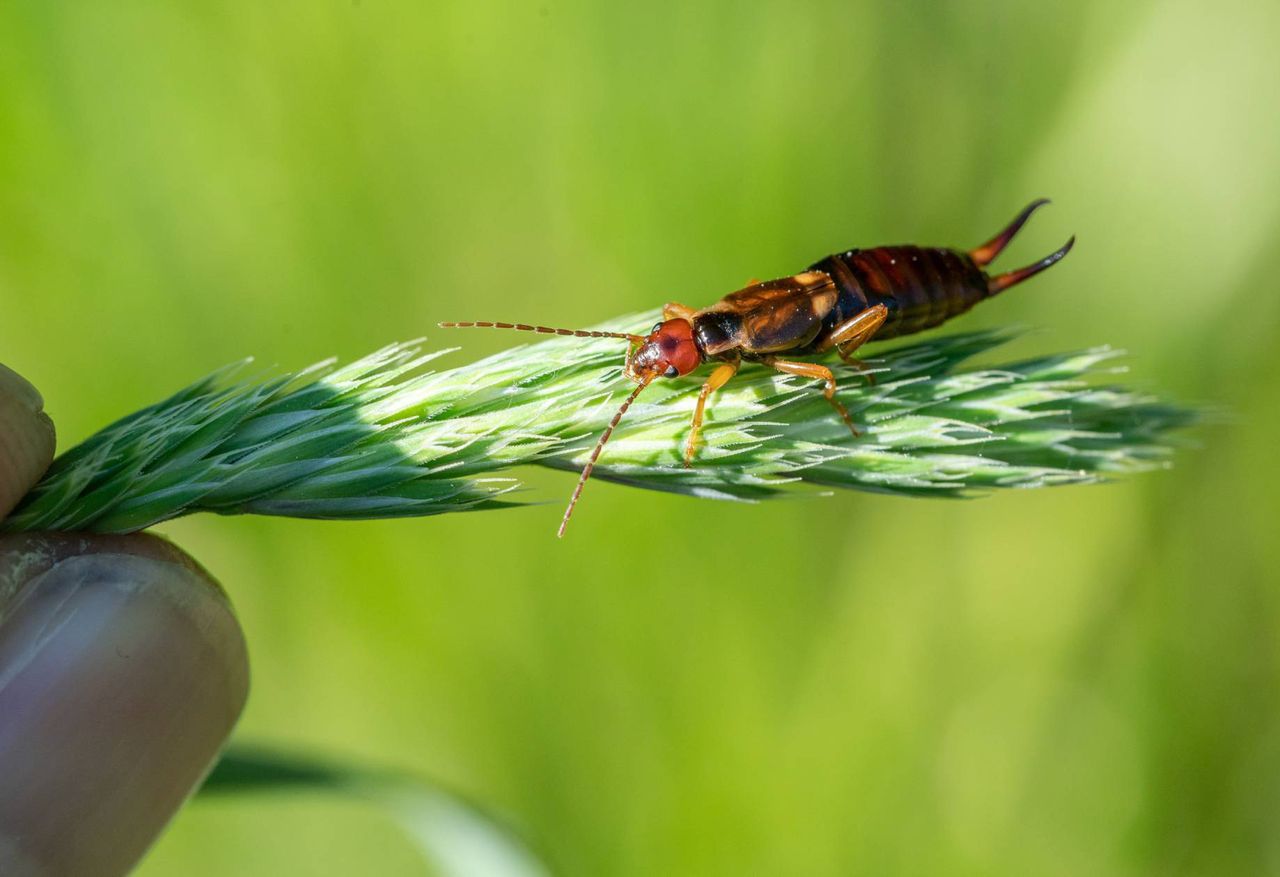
[1068,681]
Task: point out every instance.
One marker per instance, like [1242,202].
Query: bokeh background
[1068,681]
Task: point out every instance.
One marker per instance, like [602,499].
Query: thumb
[26,438]
[122,671]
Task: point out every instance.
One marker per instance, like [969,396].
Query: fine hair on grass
[388,436]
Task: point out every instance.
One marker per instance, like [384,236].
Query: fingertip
[26,438]
[15,385]
[122,672]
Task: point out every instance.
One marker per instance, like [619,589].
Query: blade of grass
[386,436]
[458,837]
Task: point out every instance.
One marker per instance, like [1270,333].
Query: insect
[839,303]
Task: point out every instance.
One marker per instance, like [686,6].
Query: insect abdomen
[921,286]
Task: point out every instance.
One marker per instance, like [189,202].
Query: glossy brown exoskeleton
[840,303]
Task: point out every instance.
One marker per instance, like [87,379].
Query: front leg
[630,357]
[821,372]
[718,379]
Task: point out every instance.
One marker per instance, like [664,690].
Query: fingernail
[122,671]
[26,438]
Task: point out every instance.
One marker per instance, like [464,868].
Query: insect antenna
[595,454]
[545,330]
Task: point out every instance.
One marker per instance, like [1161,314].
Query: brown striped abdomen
[921,286]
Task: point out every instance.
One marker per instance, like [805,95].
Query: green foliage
[384,438]
[1077,681]
[457,837]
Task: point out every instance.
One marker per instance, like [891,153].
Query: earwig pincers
[839,303]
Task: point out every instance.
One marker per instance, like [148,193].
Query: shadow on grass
[384,437]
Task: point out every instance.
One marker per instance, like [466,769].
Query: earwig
[839,303]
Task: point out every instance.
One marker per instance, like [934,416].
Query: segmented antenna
[595,455]
[545,330]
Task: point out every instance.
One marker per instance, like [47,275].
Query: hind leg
[822,373]
[853,333]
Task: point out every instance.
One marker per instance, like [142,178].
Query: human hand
[122,671]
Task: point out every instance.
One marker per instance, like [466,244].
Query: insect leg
[853,333]
[676,311]
[626,363]
[821,372]
[718,379]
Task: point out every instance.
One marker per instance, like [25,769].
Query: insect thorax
[717,331]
